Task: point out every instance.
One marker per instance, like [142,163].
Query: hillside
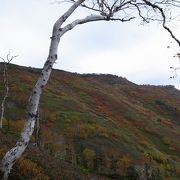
[94,127]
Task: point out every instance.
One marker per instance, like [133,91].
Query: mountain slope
[100,126]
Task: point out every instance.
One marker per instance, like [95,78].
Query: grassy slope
[95,124]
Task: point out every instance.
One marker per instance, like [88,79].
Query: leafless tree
[101,10]
[6,61]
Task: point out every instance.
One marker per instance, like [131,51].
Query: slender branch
[137,6]
[154,6]
[92,18]
[122,5]
[6,84]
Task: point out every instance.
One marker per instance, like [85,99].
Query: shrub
[31,170]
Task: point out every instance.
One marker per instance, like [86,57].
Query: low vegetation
[94,126]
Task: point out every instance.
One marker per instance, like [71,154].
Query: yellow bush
[89,156]
[124,162]
[30,169]
[53,117]
[167,141]
[90,130]
[155,155]
[16,126]
[3,149]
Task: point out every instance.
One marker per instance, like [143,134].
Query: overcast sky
[130,50]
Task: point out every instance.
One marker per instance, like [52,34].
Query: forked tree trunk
[31,113]
[32,108]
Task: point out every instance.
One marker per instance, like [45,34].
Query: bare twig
[154,6]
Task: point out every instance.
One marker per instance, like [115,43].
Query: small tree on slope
[102,10]
[6,84]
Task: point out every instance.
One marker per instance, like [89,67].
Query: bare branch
[154,6]
[64,17]
[92,18]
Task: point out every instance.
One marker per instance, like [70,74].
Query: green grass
[158,142]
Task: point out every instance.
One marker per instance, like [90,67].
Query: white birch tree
[6,84]
[102,10]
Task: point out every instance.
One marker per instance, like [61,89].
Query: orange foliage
[17,125]
[3,149]
[124,162]
[90,130]
[26,78]
[30,169]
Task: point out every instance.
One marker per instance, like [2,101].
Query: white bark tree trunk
[31,114]
[5,77]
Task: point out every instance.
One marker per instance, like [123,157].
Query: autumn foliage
[94,126]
